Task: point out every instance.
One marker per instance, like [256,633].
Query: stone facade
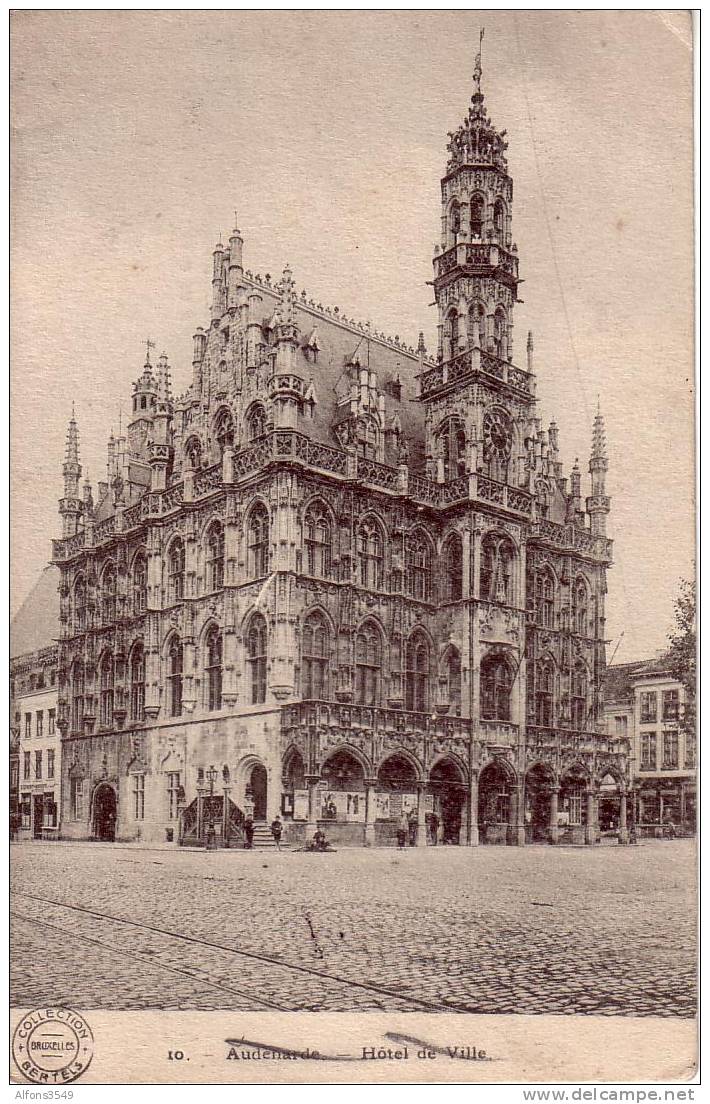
[35,735]
[340,580]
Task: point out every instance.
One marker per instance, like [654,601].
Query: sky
[138,134]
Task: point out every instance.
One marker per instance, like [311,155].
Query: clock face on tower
[497,433]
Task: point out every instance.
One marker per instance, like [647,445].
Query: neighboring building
[644,702]
[337,579]
[34,655]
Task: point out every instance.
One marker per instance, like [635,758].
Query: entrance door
[105,813]
[258,791]
[38,816]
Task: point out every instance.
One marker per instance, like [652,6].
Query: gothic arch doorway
[105,813]
[257,787]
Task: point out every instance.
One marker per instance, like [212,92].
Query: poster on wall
[300,804]
[355,809]
[382,806]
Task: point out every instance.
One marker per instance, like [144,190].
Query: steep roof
[619,679]
[36,623]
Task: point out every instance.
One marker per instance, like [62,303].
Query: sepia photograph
[353,519]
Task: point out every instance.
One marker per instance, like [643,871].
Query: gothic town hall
[340,579]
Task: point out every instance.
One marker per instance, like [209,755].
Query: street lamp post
[211,776]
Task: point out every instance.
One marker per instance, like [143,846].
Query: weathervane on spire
[477,70]
[148,346]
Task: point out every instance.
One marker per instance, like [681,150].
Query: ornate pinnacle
[598,436]
[478,71]
[72,449]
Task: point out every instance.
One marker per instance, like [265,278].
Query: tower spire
[478,69]
[70,505]
[598,503]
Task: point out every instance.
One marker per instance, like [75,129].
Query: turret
[287,385]
[145,397]
[598,503]
[218,303]
[70,506]
[160,451]
[236,270]
[199,340]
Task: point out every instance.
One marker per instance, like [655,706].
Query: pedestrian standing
[434,828]
[276,829]
[413,820]
[402,832]
[248,833]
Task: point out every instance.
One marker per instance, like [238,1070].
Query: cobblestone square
[605,930]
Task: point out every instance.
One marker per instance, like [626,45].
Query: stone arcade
[340,579]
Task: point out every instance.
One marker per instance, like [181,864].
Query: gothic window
[370,554]
[580,609]
[579,697]
[193,454]
[256,658]
[544,597]
[497,561]
[258,541]
[454,222]
[496,685]
[499,333]
[175,666]
[497,442]
[368,664]
[215,557]
[316,649]
[318,541]
[453,568]
[452,327]
[452,676]
[79,604]
[451,439]
[477,214]
[417,566]
[77,691]
[137,677]
[108,594]
[224,430]
[477,325]
[140,583]
[499,218]
[416,697]
[213,668]
[367,438]
[176,570]
[106,683]
[256,423]
[544,692]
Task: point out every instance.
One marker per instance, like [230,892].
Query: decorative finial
[148,346]
[477,70]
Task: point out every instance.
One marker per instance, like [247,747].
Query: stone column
[553,829]
[370,810]
[421,814]
[590,829]
[312,781]
[472,830]
[623,832]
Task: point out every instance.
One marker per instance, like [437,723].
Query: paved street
[604,930]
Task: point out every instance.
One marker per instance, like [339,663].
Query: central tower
[476,267]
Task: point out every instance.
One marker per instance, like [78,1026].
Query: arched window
[578,713]
[106,682]
[499,218]
[452,676]
[215,557]
[175,662]
[140,583]
[79,604]
[416,696]
[451,437]
[77,693]
[137,676]
[453,568]
[499,333]
[545,598]
[108,594]
[176,570]
[497,560]
[256,658]
[318,541]
[477,215]
[580,608]
[258,541]
[193,454]
[452,321]
[213,668]
[477,325]
[368,664]
[256,422]
[370,554]
[544,692]
[454,222]
[496,684]
[417,567]
[316,649]
[224,430]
